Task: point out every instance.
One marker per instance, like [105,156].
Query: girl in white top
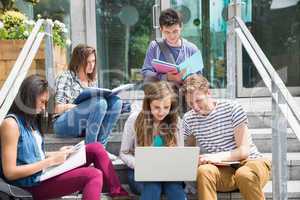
[157,124]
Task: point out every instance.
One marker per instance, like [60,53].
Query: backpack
[11,192]
[166,51]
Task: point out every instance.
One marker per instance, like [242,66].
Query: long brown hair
[144,123]
[79,58]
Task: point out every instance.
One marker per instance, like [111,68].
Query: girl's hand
[67,149]
[57,158]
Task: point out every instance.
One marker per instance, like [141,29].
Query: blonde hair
[195,82]
[144,123]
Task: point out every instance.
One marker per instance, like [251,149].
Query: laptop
[166,163]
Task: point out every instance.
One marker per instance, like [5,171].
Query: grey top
[129,140]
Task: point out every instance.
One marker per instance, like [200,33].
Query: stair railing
[284,108]
[19,71]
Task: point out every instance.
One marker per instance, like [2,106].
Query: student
[170,23]
[220,128]
[23,157]
[155,125]
[93,118]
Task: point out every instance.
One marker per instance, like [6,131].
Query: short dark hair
[169,17]
[25,102]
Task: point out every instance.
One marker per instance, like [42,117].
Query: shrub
[16,26]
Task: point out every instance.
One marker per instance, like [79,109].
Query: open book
[94,91]
[192,65]
[227,163]
[74,160]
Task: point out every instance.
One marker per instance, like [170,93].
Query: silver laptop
[166,163]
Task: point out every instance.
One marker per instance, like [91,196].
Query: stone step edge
[293,192]
[259,133]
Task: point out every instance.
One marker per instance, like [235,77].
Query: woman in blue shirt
[23,157]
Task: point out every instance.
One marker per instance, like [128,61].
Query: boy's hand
[208,159]
[176,77]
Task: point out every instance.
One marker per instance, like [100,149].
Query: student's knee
[94,173]
[95,148]
[101,104]
[207,171]
[154,187]
[170,187]
[244,176]
[116,101]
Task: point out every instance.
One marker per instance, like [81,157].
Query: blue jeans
[94,117]
[153,190]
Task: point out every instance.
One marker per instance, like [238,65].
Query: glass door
[276,27]
[124,30]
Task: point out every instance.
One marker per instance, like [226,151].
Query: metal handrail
[284,108]
[19,71]
[19,62]
[269,74]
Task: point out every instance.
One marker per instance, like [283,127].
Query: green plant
[16,26]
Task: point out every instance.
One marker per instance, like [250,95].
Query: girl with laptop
[23,157]
[157,124]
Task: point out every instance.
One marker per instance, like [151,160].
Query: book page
[192,64]
[122,87]
[74,160]
[227,163]
[91,92]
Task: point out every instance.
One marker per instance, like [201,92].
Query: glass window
[276,27]
[124,30]
[204,24]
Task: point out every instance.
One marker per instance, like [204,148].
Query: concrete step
[261,137]
[54,143]
[293,162]
[259,109]
[293,193]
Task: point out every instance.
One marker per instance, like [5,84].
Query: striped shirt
[215,132]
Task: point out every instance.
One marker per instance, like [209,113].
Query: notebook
[93,92]
[166,163]
[74,160]
[228,163]
[192,65]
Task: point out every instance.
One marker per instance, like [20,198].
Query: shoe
[122,195]
[111,156]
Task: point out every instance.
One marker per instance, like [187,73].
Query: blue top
[158,141]
[186,50]
[27,153]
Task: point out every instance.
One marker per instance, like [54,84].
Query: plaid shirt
[68,87]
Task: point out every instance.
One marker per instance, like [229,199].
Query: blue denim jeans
[153,190]
[94,117]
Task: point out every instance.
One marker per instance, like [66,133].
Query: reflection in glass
[277,31]
[124,30]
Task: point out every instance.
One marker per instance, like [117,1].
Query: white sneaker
[111,156]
